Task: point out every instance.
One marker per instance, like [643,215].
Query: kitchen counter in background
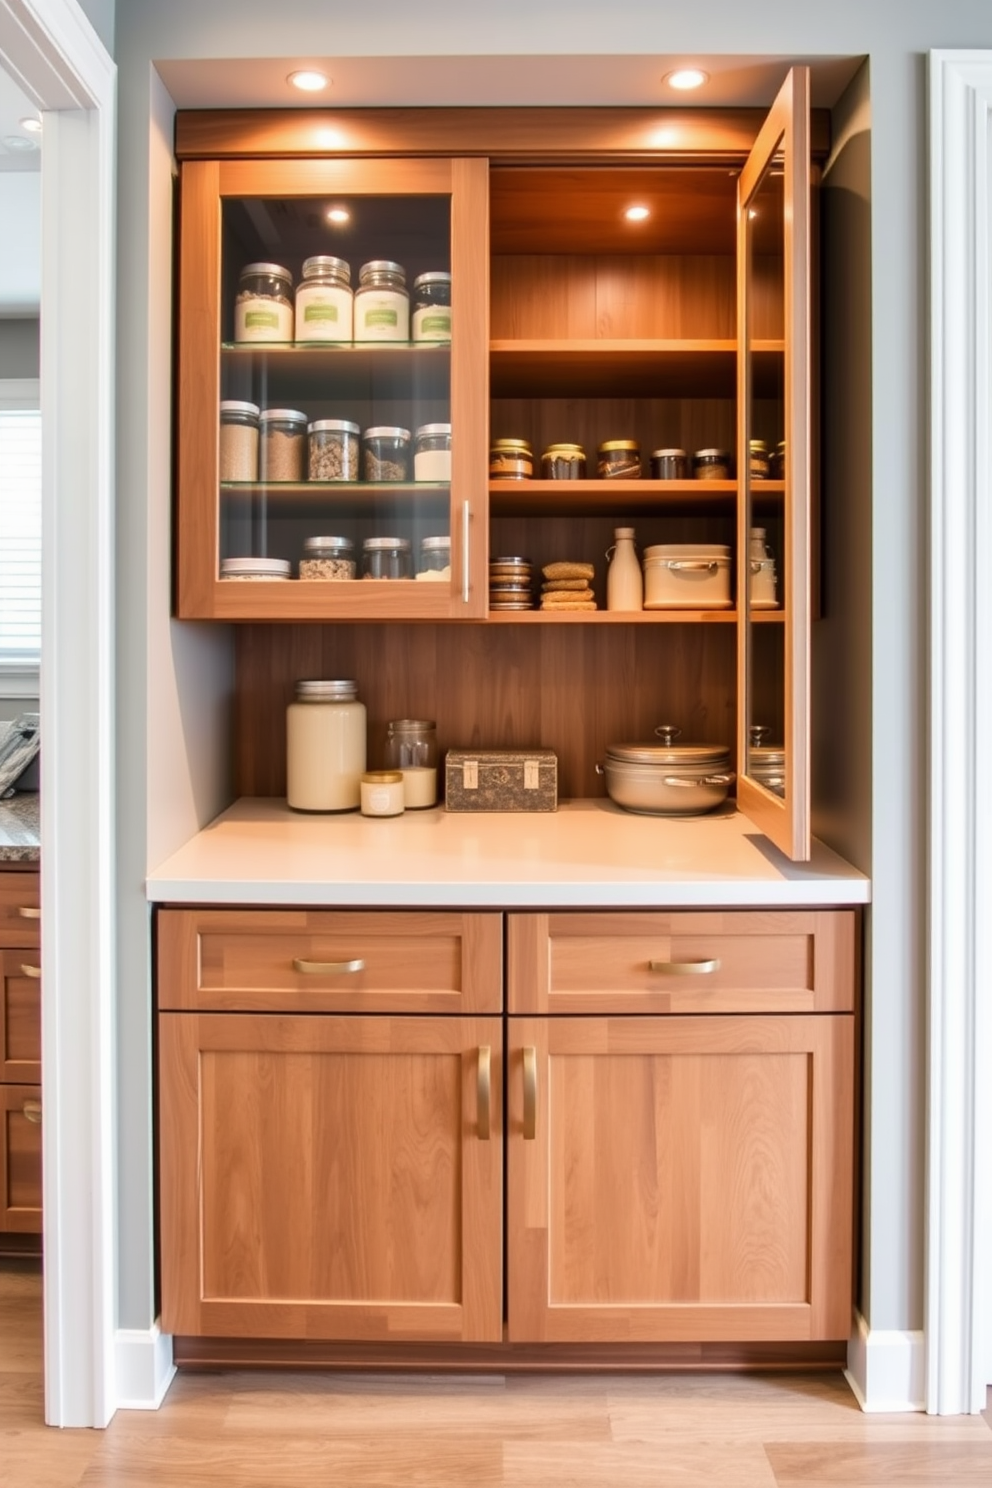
[588,853]
[20,829]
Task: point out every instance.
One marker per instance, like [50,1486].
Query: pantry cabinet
[20,1054]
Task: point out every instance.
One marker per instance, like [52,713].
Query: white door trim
[57,58]
[958,1203]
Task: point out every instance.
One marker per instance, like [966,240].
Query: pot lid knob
[757,733]
[667,733]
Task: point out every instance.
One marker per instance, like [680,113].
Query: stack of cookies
[510,584]
[567,586]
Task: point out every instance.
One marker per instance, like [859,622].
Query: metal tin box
[501,780]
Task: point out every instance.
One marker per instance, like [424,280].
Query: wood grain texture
[790,962]
[228,960]
[20,1019]
[19,891]
[324,1178]
[20,1160]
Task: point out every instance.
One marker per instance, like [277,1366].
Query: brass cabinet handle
[686,968]
[30,971]
[485,1091]
[31,1111]
[328,968]
[530,1094]
[27,913]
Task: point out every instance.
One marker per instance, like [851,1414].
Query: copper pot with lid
[667,779]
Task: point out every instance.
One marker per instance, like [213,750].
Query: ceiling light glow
[686,78]
[307,80]
[19,142]
[338,214]
[33,126]
[637,214]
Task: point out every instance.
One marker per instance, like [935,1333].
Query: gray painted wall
[100,14]
[19,347]
[878,659]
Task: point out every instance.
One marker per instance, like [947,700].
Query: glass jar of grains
[619,459]
[263,309]
[386,558]
[326,558]
[238,451]
[511,459]
[382,302]
[563,462]
[283,444]
[431,319]
[324,300]
[386,453]
[334,449]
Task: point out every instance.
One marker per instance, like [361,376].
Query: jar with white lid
[325,747]
[435,558]
[325,300]
[263,308]
[432,453]
[431,318]
[283,444]
[249,570]
[382,302]
[334,450]
[386,558]
[328,558]
[238,445]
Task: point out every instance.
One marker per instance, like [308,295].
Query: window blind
[20,537]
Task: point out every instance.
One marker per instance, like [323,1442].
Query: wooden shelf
[297,370]
[613,617]
[288,499]
[627,368]
[541,498]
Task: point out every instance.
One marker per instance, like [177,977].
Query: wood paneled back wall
[571,688]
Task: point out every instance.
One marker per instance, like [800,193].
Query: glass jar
[238,444]
[325,747]
[759,460]
[435,558]
[334,449]
[669,464]
[411,748]
[263,309]
[382,302]
[711,464]
[432,453]
[619,459]
[431,319]
[382,793]
[563,462]
[386,558]
[326,558]
[777,462]
[324,300]
[252,570]
[386,453]
[282,444]
[511,459]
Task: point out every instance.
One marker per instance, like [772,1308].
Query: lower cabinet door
[335,1177]
[20,1159]
[680,1179]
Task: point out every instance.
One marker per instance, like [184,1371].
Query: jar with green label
[382,302]
[324,300]
[263,309]
[431,320]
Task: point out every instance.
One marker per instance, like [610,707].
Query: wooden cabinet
[20,1054]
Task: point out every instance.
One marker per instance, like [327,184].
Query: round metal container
[667,779]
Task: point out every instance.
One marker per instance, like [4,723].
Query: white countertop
[588,853]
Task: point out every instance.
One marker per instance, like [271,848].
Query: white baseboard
[885,1368]
[144,1367]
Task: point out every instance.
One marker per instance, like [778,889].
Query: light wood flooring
[303,1430]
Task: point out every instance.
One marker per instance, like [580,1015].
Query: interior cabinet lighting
[637,214]
[687,77]
[307,80]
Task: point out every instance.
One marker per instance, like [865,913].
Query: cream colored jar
[382,302]
[382,793]
[324,300]
[325,747]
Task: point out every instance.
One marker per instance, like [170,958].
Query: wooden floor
[300,1431]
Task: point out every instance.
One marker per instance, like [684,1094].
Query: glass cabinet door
[774,474]
[331,438]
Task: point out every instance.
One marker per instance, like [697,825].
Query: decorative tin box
[501,780]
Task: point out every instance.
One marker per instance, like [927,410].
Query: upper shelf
[629,368]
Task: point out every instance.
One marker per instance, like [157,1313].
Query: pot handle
[698,565]
[682,784]
[599,769]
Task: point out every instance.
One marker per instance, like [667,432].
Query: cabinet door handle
[466,511]
[27,913]
[485,1090]
[328,968]
[31,1111]
[30,971]
[530,1093]
[686,968]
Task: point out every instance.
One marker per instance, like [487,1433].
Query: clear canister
[325,747]
[283,445]
[263,309]
[432,453]
[382,302]
[334,449]
[386,453]
[411,747]
[386,558]
[563,462]
[238,451]
[325,300]
[619,459]
[669,464]
[328,558]
[435,558]
[431,318]
[712,464]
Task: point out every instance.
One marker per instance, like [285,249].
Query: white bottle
[325,747]
[624,579]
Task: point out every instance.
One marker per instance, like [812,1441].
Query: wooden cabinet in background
[20,1054]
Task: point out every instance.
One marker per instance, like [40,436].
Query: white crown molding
[885,1368]
[959,1049]
[144,1367]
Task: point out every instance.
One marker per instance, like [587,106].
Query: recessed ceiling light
[19,142]
[338,214]
[307,80]
[33,126]
[637,214]
[687,77]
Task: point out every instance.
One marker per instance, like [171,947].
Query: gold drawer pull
[27,913]
[30,971]
[686,968]
[328,968]
[31,1111]
[485,1090]
[530,1094]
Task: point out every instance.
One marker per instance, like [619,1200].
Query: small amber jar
[619,459]
[511,459]
[711,464]
[759,460]
[563,462]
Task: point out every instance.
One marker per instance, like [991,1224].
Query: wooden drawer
[20,1017]
[737,961]
[20,1159]
[20,912]
[320,961]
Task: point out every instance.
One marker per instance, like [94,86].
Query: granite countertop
[20,828]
